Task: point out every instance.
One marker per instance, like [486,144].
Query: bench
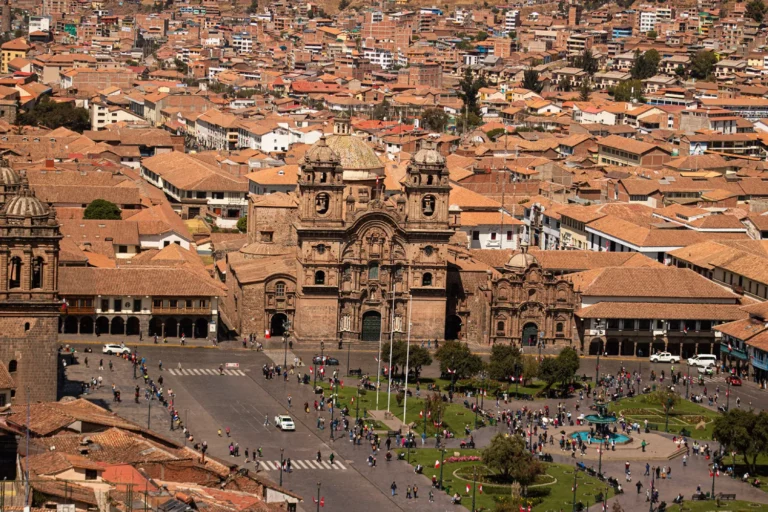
[393,433]
[651,426]
[699,497]
[726,497]
[358,372]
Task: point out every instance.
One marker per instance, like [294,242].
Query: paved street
[242,399]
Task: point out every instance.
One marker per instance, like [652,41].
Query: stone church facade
[337,260]
[29,305]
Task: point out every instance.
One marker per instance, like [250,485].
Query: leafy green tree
[418,358]
[756,10]
[381,111]
[587,62]
[456,356]
[566,86]
[468,89]
[680,71]
[585,90]
[464,45]
[530,369]
[628,91]
[101,209]
[481,36]
[744,432]
[242,224]
[508,456]
[54,114]
[495,133]
[702,64]
[548,371]
[531,81]
[646,65]
[568,364]
[505,361]
[652,34]
[181,66]
[254,7]
[664,398]
[435,119]
[343,4]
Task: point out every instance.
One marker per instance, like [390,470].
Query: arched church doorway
[371,326]
[530,334]
[277,324]
[452,327]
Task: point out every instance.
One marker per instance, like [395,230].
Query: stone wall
[31,341]
[279,221]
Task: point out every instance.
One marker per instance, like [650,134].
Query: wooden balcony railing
[180,311]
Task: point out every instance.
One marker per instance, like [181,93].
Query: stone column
[48,274]
[4,271]
[26,269]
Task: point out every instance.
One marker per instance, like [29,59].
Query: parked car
[702,360]
[330,361]
[284,422]
[707,370]
[664,357]
[734,380]
[114,348]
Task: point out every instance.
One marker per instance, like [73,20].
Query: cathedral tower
[427,189]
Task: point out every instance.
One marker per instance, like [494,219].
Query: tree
[568,364]
[680,71]
[702,64]
[381,111]
[435,119]
[101,209]
[530,369]
[652,34]
[505,361]
[566,86]
[181,66]
[548,371]
[469,88]
[508,457]
[456,356]
[628,91]
[646,65]
[481,36]
[343,4]
[242,224]
[254,7]
[744,432]
[54,114]
[417,359]
[585,90]
[756,10]
[531,81]
[587,62]
[495,133]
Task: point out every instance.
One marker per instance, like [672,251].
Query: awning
[733,352]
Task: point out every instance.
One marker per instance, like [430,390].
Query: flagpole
[407,358]
[391,343]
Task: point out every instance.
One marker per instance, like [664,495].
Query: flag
[729,347]
[711,474]
[685,330]
[429,414]
[421,414]
[467,488]
[322,501]
[310,370]
[480,489]
[437,464]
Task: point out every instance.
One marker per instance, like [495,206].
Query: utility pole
[26,482]
[474,486]
[391,343]
[407,360]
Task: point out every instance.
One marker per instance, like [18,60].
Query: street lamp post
[728,393]
[476,408]
[149,410]
[442,463]
[597,365]
[349,347]
[687,384]
[714,474]
[333,404]
[600,459]
[666,420]
[281,467]
[474,486]
[186,418]
[517,380]
[318,496]
[653,482]
[357,406]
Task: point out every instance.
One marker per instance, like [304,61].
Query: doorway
[371,326]
[452,327]
[277,324]
[530,335]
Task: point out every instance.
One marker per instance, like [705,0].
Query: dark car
[734,380]
[325,360]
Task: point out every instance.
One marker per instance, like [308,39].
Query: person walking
[685,460]
[408,492]
[393,487]
[639,485]
[415,491]
[86,361]
[101,364]
[289,400]
[266,420]
[331,457]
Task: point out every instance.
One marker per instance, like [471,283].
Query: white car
[664,357]
[113,348]
[284,423]
[703,360]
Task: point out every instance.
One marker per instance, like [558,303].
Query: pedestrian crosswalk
[302,464]
[191,372]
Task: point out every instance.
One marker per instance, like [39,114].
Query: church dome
[428,155]
[521,261]
[25,204]
[355,154]
[264,249]
[8,177]
[320,154]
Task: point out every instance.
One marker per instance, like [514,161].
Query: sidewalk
[132,341]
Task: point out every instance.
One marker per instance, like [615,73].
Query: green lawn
[551,493]
[711,506]
[685,414]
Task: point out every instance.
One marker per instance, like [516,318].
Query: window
[90,474]
[319,277]
[203,303]
[13,366]
[559,327]
[118,305]
[14,277]
[105,305]
[136,305]
[426,279]
[174,303]
[613,323]
[509,235]
[280,289]
[37,273]
[493,235]
[201,195]
[629,325]
[218,195]
[705,325]
[157,303]
[373,271]
[674,325]
[122,248]
[690,325]
[644,325]
[475,235]
[500,327]
[188,303]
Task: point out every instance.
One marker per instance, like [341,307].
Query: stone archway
[171,328]
[132,326]
[277,324]
[102,325]
[70,325]
[185,327]
[530,335]
[201,328]
[595,347]
[155,327]
[86,325]
[453,325]
[612,347]
[371,326]
[118,326]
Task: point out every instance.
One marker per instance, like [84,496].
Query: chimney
[49,163]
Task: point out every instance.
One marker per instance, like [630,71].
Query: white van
[703,360]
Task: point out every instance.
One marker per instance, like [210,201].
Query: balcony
[80,310]
[161,310]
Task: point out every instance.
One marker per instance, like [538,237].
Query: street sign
[232,365]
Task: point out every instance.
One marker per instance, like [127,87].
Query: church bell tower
[427,189]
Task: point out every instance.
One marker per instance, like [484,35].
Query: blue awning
[733,352]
